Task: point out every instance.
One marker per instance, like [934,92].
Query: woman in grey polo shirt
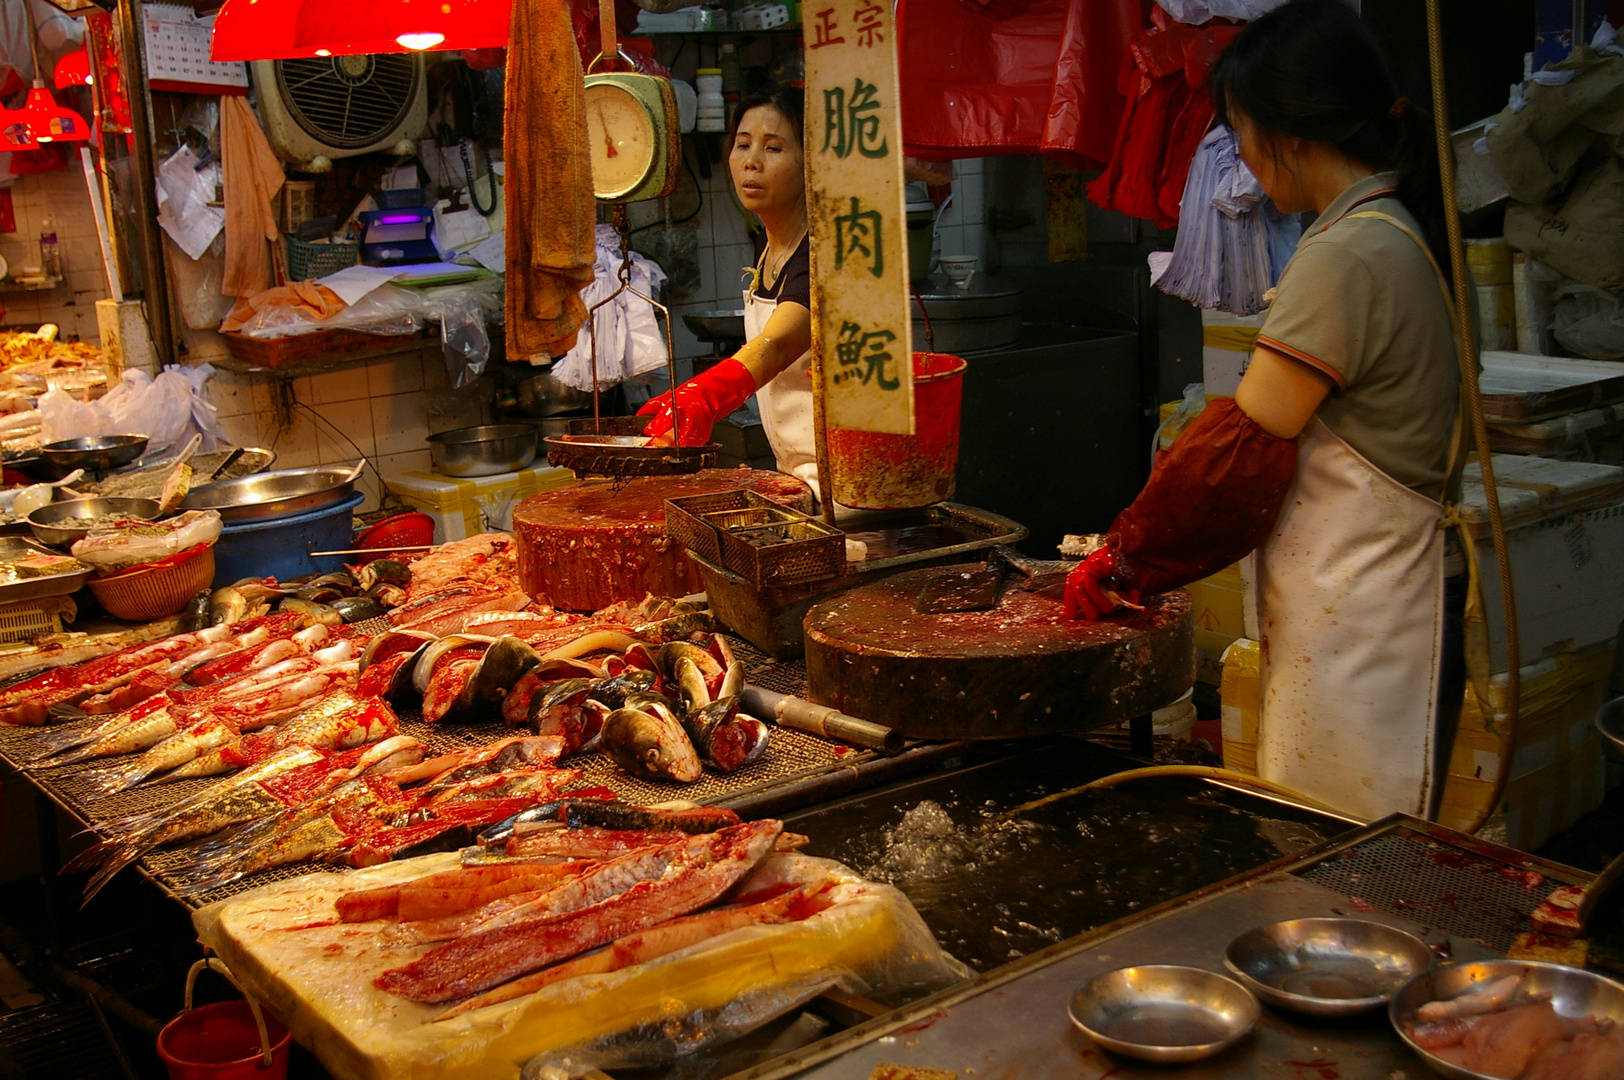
[1336,453]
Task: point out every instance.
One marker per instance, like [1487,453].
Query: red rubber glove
[1213,496]
[701,401]
[1093,589]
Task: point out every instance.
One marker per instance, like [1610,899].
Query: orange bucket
[229,1040]
[875,471]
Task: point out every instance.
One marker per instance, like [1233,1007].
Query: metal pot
[261,496]
[45,521]
[484,450]
[99,453]
[542,394]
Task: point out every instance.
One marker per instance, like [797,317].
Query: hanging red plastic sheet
[1043,81]
[1164,78]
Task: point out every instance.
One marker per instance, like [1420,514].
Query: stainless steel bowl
[262,496]
[97,453]
[1572,992]
[44,520]
[483,450]
[716,326]
[542,394]
[1610,723]
[1326,967]
[1163,1012]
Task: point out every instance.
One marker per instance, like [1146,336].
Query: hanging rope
[1467,353]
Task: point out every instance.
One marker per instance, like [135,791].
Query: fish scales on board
[480,961]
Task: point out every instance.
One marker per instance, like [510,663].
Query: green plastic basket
[306,260]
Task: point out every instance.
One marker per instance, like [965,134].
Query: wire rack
[789,754]
[1442,886]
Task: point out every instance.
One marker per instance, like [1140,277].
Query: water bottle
[50,254]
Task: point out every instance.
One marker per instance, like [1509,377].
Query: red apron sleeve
[1212,497]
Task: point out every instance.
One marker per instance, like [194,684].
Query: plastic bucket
[281,547]
[874,471]
[229,1040]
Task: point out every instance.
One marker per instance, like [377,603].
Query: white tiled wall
[72,306]
[385,408]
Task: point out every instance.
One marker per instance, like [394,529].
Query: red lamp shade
[284,29]
[73,70]
[49,121]
[374,26]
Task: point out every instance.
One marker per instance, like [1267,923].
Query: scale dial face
[621,137]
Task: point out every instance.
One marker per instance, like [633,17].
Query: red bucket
[874,471]
[221,1042]
[229,1040]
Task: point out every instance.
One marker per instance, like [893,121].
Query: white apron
[785,402]
[1351,614]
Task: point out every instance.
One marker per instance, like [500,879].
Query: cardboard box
[1226,348]
[1565,535]
[468,507]
[1558,766]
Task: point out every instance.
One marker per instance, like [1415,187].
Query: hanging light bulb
[49,121]
[73,70]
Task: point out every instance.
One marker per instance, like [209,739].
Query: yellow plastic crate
[29,619]
[1241,695]
[467,507]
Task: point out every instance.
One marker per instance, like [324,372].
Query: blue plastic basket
[281,547]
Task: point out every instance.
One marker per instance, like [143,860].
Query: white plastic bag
[110,550]
[1588,321]
[168,410]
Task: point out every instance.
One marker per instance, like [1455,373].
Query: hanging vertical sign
[855,206]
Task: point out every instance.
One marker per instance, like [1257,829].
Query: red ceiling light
[50,122]
[73,70]
[286,29]
[15,134]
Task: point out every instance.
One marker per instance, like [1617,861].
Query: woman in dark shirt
[767,164]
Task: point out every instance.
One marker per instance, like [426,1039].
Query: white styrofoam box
[1565,536]
[467,507]
[1226,349]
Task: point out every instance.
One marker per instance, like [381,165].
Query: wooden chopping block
[1018,669]
[586,545]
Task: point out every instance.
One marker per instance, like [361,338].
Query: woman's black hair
[1312,69]
[787,99]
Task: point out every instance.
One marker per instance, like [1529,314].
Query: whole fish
[645,738]
[279,781]
[138,728]
[185,745]
[711,865]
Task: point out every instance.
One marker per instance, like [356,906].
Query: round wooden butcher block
[1019,669]
[590,543]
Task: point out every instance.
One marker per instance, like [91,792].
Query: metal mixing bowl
[261,496]
[715,326]
[542,394]
[1326,967]
[98,453]
[484,450]
[44,520]
[1572,992]
[1164,1012]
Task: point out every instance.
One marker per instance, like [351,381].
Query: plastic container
[712,108]
[412,529]
[874,471]
[281,547]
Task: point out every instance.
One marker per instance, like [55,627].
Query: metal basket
[692,520]
[152,591]
[307,260]
[781,553]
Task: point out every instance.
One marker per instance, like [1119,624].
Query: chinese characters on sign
[858,224]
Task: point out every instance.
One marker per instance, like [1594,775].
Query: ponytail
[1312,69]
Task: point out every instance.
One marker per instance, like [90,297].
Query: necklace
[777,268]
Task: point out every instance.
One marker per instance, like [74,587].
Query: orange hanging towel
[253,177]
[551,214]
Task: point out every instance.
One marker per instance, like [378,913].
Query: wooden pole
[154,279]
